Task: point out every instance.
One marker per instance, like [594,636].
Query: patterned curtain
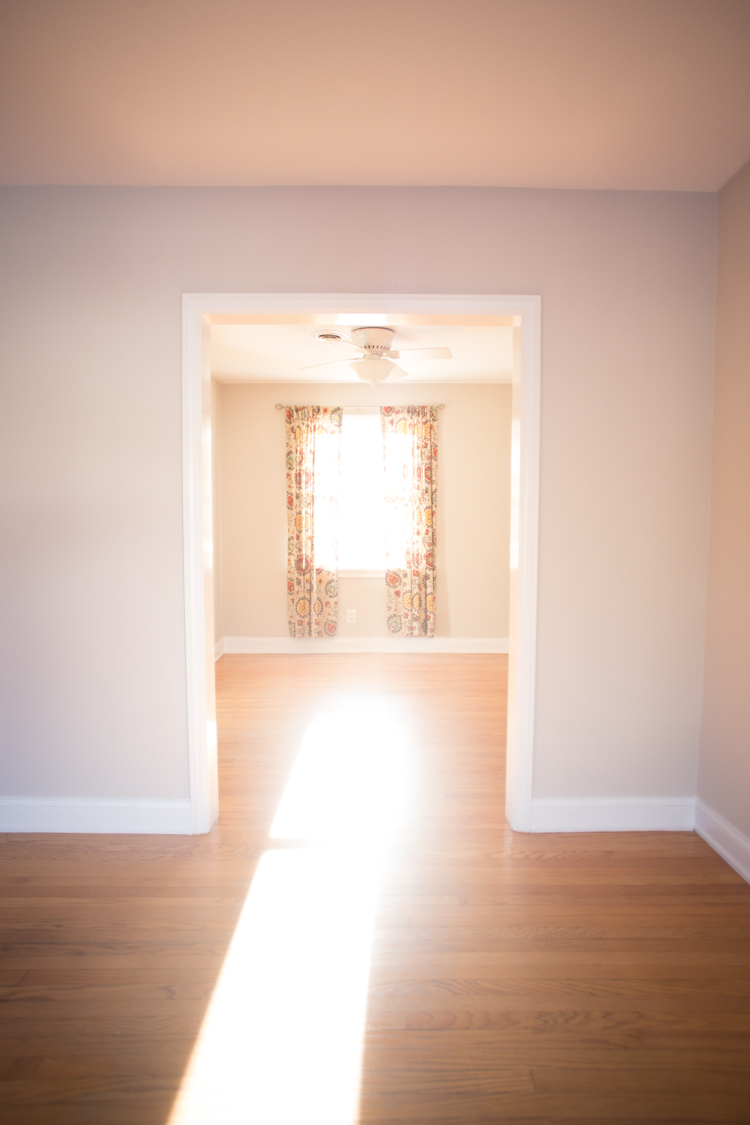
[410,455]
[313,451]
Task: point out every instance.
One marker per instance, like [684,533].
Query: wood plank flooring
[536,979]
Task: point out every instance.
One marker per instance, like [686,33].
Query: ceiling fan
[376,354]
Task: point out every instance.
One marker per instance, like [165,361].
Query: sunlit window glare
[400,479]
[281,1041]
[361,496]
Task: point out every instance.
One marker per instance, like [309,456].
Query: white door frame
[198,524]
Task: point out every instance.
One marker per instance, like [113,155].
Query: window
[361,502]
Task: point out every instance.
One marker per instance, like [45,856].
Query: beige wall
[724,781]
[473,508]
[92,686]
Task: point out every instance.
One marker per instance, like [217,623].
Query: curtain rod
[438,406]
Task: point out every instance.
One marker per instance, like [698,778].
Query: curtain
[313,451]
[410,457]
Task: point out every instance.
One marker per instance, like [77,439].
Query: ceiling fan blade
[328,363]
[423,353]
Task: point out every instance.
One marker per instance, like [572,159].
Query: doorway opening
[520,316]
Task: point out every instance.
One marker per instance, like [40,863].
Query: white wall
[92,684]
[473,528]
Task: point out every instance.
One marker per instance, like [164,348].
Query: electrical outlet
[351,617]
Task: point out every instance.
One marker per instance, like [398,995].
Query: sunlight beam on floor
[281,1042]
[349,780]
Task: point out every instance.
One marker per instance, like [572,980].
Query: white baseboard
[613,814]
[218,649]
[307,645]
[731,844]
[70,814]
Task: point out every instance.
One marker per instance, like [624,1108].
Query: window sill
[362,574]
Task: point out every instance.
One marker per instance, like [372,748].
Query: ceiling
[628,94]
[270,353]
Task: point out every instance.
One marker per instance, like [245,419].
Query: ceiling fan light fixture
[376,352]
[373,369]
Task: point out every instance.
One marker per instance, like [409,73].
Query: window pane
[361,512]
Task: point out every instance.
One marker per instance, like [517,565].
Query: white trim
[200,655]
[304,646]
[218,649]
[69,814]
[613,814]
[731,844]
[525,455]
[198,567]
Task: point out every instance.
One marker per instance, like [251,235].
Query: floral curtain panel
[313,453]
[410,451]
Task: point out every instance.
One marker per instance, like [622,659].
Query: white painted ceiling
[270,353]
[636,94]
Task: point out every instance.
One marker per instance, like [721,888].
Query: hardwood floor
[580,979]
